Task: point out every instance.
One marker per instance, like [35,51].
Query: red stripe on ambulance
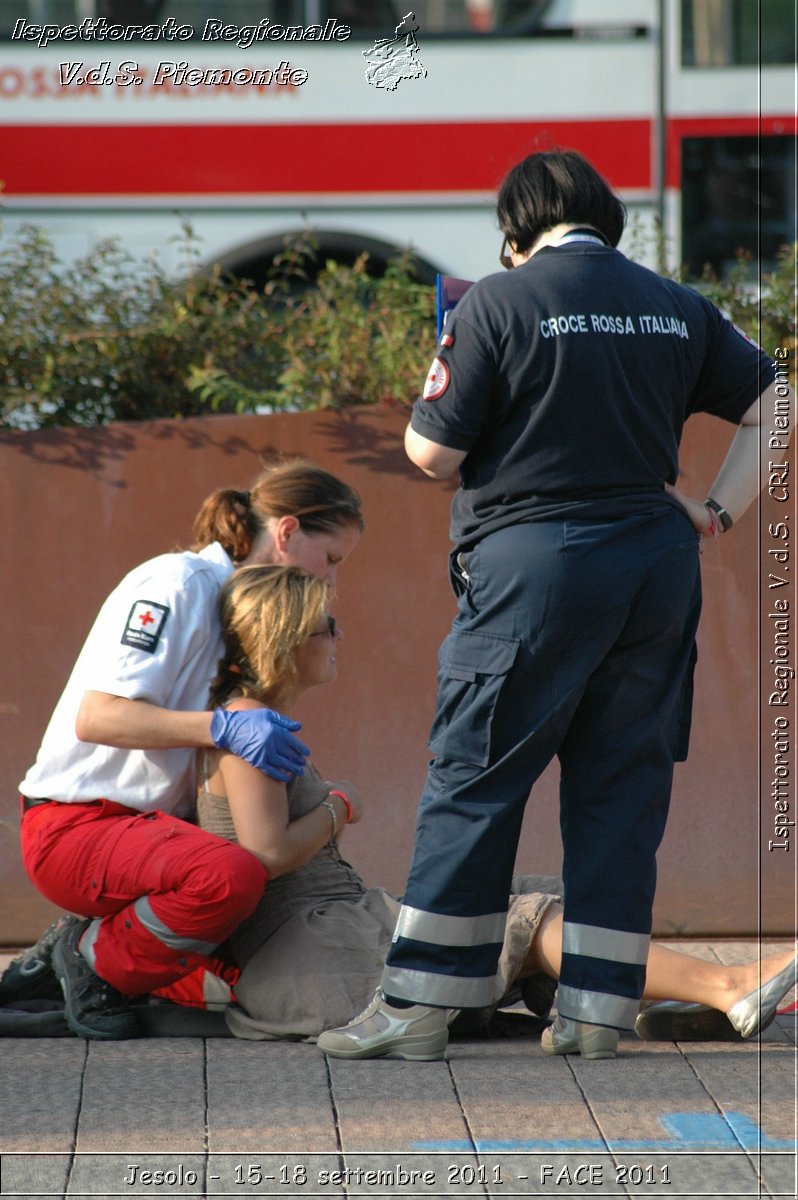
[287,159]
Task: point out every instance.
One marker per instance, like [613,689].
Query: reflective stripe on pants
[573,639]
[164,893]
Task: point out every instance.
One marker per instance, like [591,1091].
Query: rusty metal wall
[79,508]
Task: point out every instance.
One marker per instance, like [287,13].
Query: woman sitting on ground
[312,952]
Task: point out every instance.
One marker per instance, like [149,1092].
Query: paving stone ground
[214,1117]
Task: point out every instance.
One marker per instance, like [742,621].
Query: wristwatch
[725,520]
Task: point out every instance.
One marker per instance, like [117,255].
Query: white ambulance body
[127,137]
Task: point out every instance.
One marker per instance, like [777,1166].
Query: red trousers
[165,894]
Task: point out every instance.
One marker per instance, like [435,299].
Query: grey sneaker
[418,1033]
[575,1037]
[30,975]
[93,1009]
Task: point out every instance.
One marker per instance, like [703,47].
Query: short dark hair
[556,187]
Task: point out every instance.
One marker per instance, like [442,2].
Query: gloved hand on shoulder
[262,738]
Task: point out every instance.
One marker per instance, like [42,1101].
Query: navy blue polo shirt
[568,381]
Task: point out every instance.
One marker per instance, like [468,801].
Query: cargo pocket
[472,670]
[683,712]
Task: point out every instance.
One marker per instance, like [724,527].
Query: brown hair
[266,613]
[298,489]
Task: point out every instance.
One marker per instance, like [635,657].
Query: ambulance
[382,129]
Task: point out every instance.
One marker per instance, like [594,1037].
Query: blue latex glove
[262,738]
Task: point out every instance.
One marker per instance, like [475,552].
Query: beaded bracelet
[347,803]
[331,809]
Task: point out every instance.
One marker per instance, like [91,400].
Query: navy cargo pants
[573,639]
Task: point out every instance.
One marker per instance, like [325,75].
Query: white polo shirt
[157,638]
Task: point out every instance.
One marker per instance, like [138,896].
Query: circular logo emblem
[437,380]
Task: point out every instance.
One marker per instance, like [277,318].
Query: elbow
[275,867]
[278,860]
[435,460]
[434,471]
[99,719]
[438,462]
[86,729]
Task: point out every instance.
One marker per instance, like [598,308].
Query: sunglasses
[504,258]
[330,631]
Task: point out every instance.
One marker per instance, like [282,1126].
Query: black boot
[30,975]
[93,1009]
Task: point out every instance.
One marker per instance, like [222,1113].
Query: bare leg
[669,974]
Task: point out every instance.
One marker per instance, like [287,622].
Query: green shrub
[115,338]
[353,339]
[767,312]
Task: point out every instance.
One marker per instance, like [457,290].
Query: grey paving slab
[756,1081]
[754,1087]
[524,1109]
[388,1104]
[142,1118]
[41,1082]
[32,1176]
[271,1096]
[657,1115]
[706,950]
[271,1123]
[628,1096]
[396,1116]
[132,1173]
[739,950]
[145,1095]
[496,1119]
[511,1093]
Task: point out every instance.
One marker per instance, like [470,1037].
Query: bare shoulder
[244,704]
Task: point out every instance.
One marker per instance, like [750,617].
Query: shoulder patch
[437,380]
[145,625]
[743,334]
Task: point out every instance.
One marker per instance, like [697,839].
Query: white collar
[576,235]
[216,555]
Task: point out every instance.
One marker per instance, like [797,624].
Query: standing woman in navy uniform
[560,391]
[103,807]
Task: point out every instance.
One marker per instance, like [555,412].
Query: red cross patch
[145,625]
[437,380]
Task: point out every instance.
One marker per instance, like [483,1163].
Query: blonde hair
[320,502]
[266,612]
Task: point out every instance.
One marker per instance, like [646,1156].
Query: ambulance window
[52,12]
[726,33]
[380,17]
[478,16]
[738,193]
